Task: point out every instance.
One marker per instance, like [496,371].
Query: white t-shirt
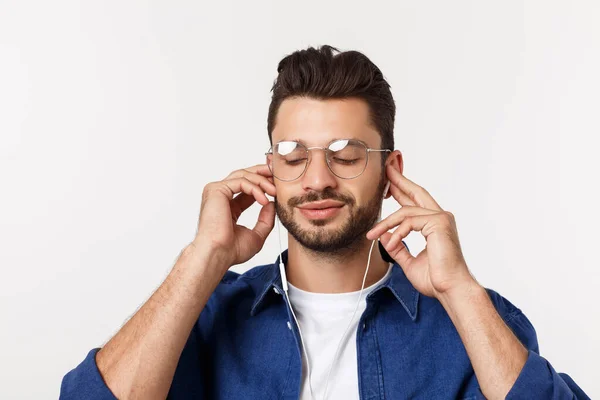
[323,319]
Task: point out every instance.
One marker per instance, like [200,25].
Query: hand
[440,267]
[220,210]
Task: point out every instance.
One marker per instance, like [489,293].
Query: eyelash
[346,162]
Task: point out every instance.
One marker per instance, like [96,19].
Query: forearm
[495,352]
[140,360]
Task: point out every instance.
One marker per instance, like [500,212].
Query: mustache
[327,194]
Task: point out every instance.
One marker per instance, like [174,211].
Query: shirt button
[276,290]
[289,325]
[364,326]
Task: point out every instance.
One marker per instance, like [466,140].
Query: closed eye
[346,162]
[295,162]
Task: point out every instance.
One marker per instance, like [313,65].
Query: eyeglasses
[346,158]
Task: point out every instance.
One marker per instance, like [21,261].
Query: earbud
[385,190]
[387,187]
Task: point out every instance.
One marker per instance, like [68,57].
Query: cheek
[283,194]
[369,188]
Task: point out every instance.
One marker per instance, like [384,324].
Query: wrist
[206,246]
[203,257]
[463,292]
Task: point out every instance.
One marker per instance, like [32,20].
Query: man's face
[317,123]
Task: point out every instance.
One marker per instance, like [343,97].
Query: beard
[341,241]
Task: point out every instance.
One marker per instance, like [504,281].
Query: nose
[318,176]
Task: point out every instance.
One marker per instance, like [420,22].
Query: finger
[260,169]
[263,181]
[390,241]
[238,185]
[426,224]
[265,223]
[416,193]
[395,219]
[401,232]
[241,203]
[399,253]
[400,197]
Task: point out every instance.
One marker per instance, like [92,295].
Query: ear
[396,160]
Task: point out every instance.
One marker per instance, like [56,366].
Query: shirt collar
[397,283]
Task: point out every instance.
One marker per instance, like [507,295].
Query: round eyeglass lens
[346,158]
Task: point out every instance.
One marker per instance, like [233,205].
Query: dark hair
[321,74]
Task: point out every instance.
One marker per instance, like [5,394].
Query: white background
[114,115]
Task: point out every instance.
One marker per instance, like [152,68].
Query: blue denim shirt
[246,345]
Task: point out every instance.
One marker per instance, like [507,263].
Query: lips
[320,213]
[321,205]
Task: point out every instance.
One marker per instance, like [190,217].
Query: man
[287,330]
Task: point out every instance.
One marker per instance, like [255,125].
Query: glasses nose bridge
[325,149]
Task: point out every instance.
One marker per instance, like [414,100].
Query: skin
[439,271]
[139,361]
[165,320]
[330,256]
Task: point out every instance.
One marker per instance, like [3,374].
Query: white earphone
[285,289]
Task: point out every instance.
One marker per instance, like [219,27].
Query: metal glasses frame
[327,151]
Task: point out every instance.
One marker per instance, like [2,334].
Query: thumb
[399,253]
[265,223]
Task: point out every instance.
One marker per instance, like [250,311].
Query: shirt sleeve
[538,379]
[189,380]
[85,381]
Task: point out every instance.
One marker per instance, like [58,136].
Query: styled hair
[320,74]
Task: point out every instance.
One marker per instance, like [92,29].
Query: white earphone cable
[350,323]
[285,289]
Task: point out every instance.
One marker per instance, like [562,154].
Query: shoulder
[255,278]
[248,283]
[251,275]
[234,292]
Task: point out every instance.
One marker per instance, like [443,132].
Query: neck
[333,273]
